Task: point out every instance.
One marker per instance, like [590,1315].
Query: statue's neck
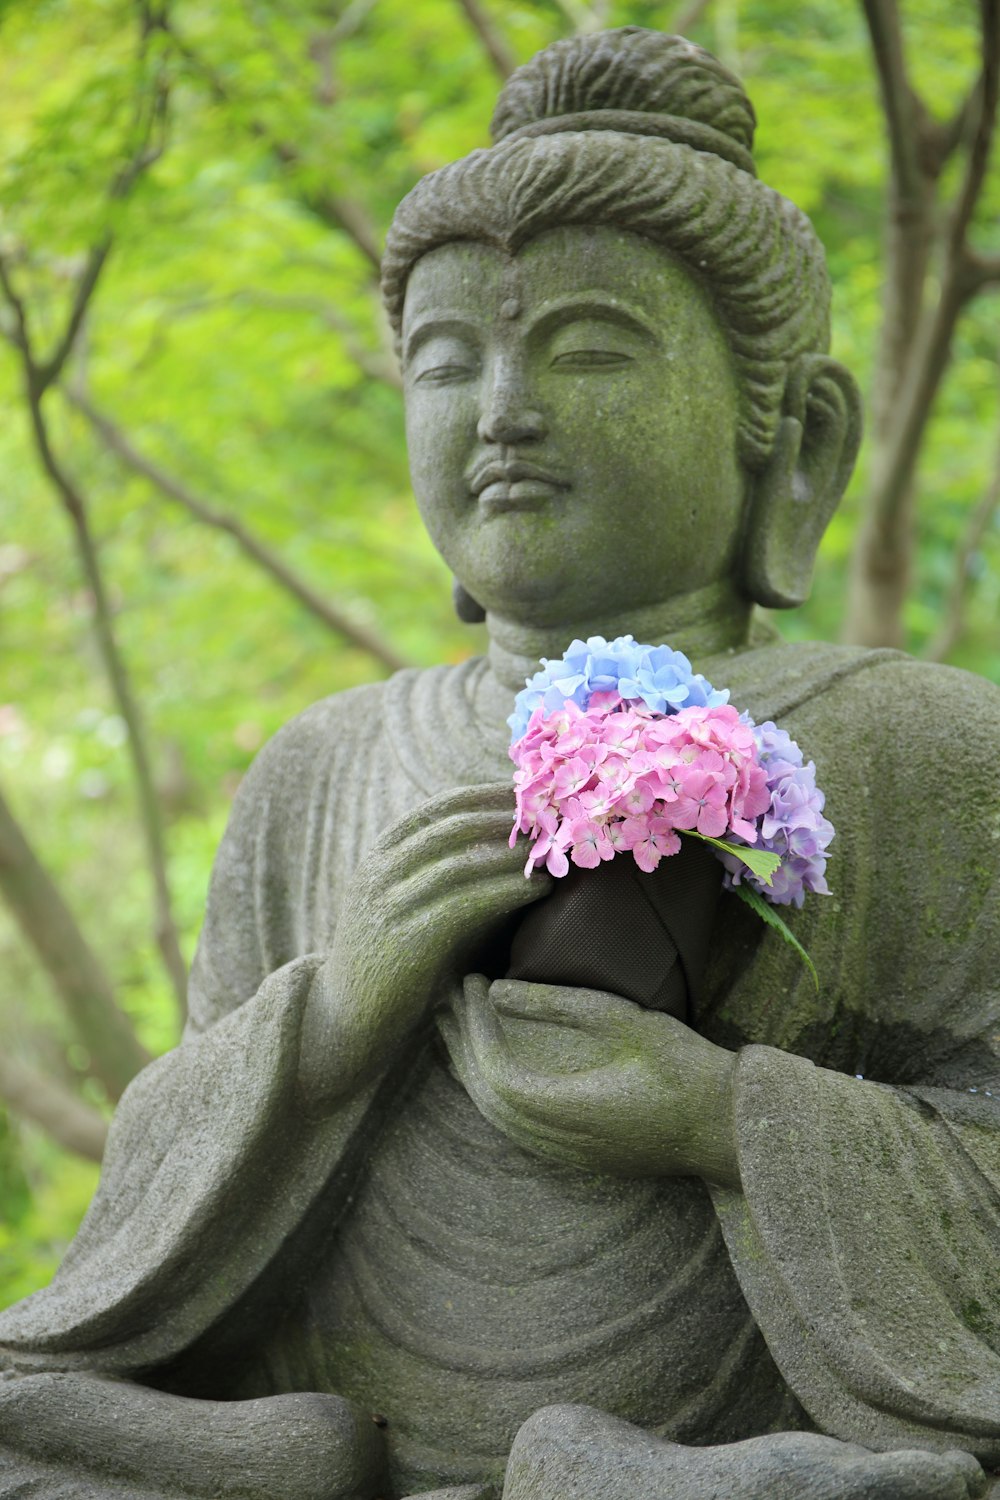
[700,624]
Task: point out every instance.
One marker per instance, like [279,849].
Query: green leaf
[761,862]
[768,914]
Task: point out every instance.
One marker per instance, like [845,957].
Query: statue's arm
[427,895]
[332,856]
[863,1219]
[867,1233]
[866,1239]
[210,1168]
[212,1160]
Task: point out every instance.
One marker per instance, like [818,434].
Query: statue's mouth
[516,485]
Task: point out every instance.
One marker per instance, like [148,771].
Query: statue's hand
[592,1080]
[420,905]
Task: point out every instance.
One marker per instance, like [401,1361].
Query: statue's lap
[473,1284]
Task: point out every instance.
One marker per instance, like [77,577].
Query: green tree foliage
[229,412]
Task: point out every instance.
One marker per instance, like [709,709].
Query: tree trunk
[83,986]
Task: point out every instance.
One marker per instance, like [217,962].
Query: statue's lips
[522,494]
[514,486]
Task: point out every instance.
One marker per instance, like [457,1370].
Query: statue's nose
[508,416]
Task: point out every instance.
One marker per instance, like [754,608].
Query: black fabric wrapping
[616,928]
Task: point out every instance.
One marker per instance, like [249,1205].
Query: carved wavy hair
[651,134]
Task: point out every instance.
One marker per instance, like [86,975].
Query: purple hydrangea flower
[793,827]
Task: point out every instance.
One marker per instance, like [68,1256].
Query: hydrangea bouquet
[622,749]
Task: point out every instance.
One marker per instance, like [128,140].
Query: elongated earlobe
[469,610]
[795,495]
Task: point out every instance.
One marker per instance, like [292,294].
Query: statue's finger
[474,987]
[492,796]
[527,1106]
[504,1088]
[595,1011]
[481,835]
[464,895]
[474,1073]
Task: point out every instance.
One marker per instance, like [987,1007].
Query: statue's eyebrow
[446,322]
[576,305]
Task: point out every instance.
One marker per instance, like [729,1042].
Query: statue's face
[572,421]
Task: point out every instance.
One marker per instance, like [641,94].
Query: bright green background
[223,340]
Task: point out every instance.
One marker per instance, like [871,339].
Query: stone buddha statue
[386,1224]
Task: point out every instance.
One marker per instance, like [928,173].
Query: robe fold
[866,1238]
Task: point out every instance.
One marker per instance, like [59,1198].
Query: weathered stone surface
[574,1450]
[385,1221]
[303,1447]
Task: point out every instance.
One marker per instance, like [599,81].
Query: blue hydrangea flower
[661,677]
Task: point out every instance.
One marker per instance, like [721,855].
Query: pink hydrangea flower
[598,774]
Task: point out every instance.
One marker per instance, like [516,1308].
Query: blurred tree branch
[377,366]
[352,18]
[976,531]
[36,1097]
[942,139]
[79,976]
[688,16]
[150,123]
[333,209]
[980,272]
[335,619]
[38,376]
[584,18]
[918,327]
[494,45]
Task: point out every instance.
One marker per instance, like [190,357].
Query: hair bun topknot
[630,72]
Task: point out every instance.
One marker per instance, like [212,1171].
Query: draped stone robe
[859,1288]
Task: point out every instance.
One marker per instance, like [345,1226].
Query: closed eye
[586,359]
[443,374]
[441,356]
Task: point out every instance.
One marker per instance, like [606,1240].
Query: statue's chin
[565,622]
[529,602]
[567,613]
[547,594]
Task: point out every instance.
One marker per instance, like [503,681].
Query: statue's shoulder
[360,716]
[316,752]
[926,699]
[877,685]
[324,729]
[298,818]
[333,746]
[912,724]
[936,729]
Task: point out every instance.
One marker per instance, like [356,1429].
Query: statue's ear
[793,498]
